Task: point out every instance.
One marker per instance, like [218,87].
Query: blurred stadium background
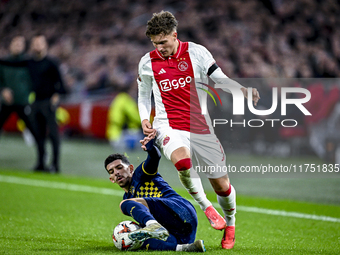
[99,44]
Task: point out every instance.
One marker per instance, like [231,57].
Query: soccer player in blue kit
[169,222]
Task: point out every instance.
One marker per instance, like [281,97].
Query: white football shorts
[206,151]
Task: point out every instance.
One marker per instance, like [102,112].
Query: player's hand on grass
[256,94]
[147,139]
[147,127]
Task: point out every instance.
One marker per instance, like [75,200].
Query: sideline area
[85,158]
[113,192]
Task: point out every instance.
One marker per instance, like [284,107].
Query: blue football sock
[137,211]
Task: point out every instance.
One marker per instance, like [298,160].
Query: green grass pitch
[75,212]
[55,214]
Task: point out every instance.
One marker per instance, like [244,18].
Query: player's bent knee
[121,206]
[125,204]
[223,190]
[183,164]
[220,185]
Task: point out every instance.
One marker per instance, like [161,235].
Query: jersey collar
[172,56]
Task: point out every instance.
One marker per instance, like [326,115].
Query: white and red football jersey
[174,83]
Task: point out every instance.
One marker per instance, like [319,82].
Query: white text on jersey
[167,85]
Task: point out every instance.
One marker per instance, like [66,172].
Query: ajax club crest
[166,140]
[183,66]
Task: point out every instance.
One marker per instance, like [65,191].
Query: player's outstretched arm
[224,82]
[144,97]
[147,127]
[256,94]
[150,165]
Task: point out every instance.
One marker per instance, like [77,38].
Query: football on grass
[121,238]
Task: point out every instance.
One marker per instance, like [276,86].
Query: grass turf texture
[46,220]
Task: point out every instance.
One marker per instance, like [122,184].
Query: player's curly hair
[163,22]
[114,157]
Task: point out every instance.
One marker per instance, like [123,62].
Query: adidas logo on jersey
[162,71]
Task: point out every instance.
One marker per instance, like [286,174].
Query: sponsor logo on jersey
[183,66]
[166,140]
[167,85]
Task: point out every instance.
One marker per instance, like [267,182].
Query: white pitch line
[58,185]
[106,191]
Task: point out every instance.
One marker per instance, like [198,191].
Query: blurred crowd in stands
[100,42]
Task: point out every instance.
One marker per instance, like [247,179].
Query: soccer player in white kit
[172,72]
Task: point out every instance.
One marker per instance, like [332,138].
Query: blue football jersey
[146,185]
[146,181]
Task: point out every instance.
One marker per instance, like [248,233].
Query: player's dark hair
[114,157]
[161,23]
